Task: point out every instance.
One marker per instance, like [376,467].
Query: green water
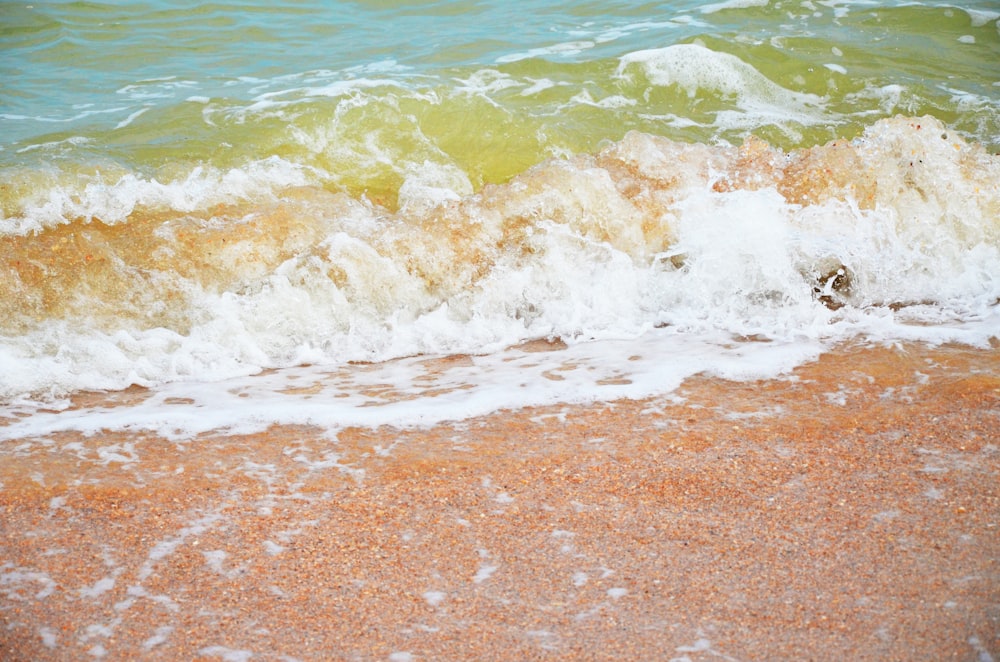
[353,90]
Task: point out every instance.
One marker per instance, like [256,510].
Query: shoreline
[849,511]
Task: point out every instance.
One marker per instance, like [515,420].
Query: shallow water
[634,526]
[195,193]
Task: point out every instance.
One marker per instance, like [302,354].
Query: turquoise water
[194,191]
[198,73]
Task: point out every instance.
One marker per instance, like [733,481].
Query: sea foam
[892,235]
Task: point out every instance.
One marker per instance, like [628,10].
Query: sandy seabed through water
[848,511]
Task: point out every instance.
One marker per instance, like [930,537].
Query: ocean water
[406,212]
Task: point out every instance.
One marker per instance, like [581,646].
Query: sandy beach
[848,511]
[481,330]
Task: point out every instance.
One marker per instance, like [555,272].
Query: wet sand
[850,511]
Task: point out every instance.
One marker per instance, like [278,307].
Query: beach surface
[849,510]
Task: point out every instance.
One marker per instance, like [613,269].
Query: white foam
[112,200]
[560,252]
[131,118]
[272,101]
[653,363]
[72,141]
[14,580]
[484,572]
[561,49]
[585,98]
[49,637]
[431,184]
[434,598]
[227,654]
[732,4]
[538,85]
[695,68]
[980,17]
[162,635]
[485,82]
[102,586]
[167,88]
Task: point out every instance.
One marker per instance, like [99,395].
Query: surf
[895,228]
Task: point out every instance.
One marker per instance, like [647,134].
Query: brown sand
[852,512]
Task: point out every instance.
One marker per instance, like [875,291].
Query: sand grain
[851,512]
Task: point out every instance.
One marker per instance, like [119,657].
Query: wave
[893,234]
